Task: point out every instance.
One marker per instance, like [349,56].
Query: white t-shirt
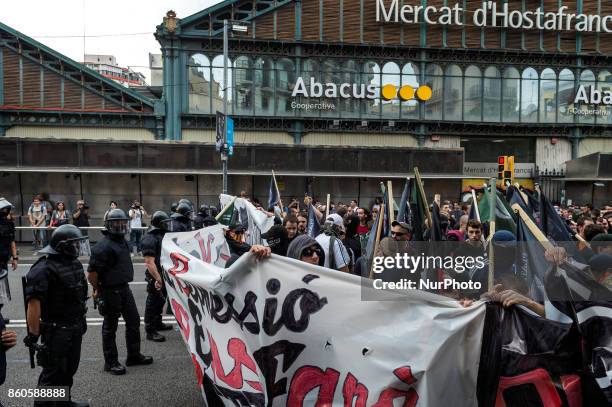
[341,256]
[136,221]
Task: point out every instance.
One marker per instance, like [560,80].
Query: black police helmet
[184,209]
[160,220]
[204,209]
[67,240]
[117,222]
[173,207]
[213,211]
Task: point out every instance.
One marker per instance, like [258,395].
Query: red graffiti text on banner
[237,350]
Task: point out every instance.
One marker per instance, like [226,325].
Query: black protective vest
[7,236]
[67,292]
[118,269]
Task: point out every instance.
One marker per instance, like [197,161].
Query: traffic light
[505,169]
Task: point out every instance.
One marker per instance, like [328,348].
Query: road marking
[94,321]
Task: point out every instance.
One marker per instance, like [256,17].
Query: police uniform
[59,283]
[7,237]
[151,246]
[180,223]
[110,259]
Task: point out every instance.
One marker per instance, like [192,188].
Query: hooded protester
[278,240]
[306,249]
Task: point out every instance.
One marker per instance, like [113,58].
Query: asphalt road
[169,381]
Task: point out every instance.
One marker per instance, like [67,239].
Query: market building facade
[333,95]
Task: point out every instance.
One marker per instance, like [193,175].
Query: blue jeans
[135,236]
[38,235]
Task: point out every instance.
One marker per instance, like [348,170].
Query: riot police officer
[110,271]
[156,292]
[56,292]
[181,219]
[8,251]
[205,217]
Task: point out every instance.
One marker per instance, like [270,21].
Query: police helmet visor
[166,225]
[118,226]
[74,247]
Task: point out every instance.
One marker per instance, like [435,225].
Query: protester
[277,239]
[302,223]
[37,214]
[351,238]
[290,223]
[336,256]
[306,249]
[60,216]
[391,246]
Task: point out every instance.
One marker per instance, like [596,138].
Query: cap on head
[403,225]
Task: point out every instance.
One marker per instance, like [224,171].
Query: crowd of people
[341,240]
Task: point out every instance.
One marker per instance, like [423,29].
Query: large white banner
[285,333]
[256,222]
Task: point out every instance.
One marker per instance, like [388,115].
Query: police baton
[25,305]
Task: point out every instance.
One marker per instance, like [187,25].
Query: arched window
[492,95]
[243,89]
[453,93]
[548,96]
[331,72]
[391,76]
[604,84]
[264,87]
[198,73]
[473,94]
[349,107]
[510,94]
[370,77]
[529,96]
[218,86]
[410,77]
[434,79]
[285,82]
[587,79]
[565,96]
[310,70]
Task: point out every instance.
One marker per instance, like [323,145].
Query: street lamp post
[238,27]
[226,88]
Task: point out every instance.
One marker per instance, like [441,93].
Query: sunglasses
[309,251]
[398,234]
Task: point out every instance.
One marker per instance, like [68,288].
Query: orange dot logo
[424,93]
[406,93]
[388,92]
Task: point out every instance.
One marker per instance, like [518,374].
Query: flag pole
[280,201]
[327,208]
[521,193]
[533,228]
[378,232]
[225,208]
[475,202]
[417,175]
[492,208]
[390,196]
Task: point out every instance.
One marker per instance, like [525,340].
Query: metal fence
[551,185]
